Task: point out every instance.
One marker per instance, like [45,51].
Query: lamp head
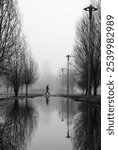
[90,9]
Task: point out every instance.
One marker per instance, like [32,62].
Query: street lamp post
[62,93]
[59,84]
[90,9]
[68,56]
[62,80]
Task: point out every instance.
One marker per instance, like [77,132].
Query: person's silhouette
[47,90]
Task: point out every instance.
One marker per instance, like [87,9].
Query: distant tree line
[17,67]
[81,50]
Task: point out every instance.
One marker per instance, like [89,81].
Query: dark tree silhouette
[9,20]
[14,73]
[10,43]
[81,49]
[13,47]
[30,74]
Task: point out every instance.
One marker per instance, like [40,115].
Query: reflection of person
[47,90]
[47,100]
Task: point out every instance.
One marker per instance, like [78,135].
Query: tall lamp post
[62,80]
[90,9]
[59,83]
[62,93]
[68,56]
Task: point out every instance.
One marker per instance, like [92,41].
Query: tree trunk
[16,92]
[86,92]
[26,89]
[26,102]
[95,88]
[95,91]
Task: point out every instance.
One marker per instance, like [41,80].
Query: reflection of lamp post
[62,110]
[68,56]
[90,9]
[68,134]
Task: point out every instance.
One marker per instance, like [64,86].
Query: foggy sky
[49,27]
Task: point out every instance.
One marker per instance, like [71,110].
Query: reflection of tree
[19,123]
[87,129]
[29,119]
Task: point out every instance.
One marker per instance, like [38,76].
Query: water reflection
[68,133]
[19,122]
[81,121]
[47,100]
[72,107]
[87,128]
[62,110]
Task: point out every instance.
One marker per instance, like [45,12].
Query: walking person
[47,90]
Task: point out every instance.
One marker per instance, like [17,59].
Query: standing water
[49,124]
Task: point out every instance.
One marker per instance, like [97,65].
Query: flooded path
[45,123]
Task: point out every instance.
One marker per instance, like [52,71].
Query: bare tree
[9,20]
[30,75]
[81,50]
[96,49]
[15,64]
[11,44]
